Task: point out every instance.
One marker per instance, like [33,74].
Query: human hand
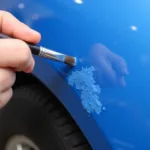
[15,55]
[110,67]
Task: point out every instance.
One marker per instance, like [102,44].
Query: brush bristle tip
[70,60]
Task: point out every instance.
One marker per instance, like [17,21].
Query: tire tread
[64,125]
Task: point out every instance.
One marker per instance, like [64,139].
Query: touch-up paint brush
[47,53]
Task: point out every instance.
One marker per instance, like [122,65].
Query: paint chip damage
[83,80]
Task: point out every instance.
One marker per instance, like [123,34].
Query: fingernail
[3,103]
[35,32]
[30,69]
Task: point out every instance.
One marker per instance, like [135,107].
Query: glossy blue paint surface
[111,36]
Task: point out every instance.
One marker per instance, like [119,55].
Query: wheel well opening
[73,130]
[23,79]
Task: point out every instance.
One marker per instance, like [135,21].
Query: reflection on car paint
[29,15]
[78,1]
[111,68]
[123,145]
[107,66]
[133,27]
[21,5]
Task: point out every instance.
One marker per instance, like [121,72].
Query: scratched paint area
[83,81]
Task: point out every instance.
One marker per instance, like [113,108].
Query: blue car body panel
[108,91]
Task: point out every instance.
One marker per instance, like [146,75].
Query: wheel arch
[46,75]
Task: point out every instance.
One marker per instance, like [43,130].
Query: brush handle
[34,48]
[46,53]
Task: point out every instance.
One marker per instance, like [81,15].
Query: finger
[5,97]
[7,79]
[119,64]
[15,54]
[121,81]
[13,27]
[107,70]
[31,67]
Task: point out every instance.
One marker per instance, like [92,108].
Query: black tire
[35,113]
